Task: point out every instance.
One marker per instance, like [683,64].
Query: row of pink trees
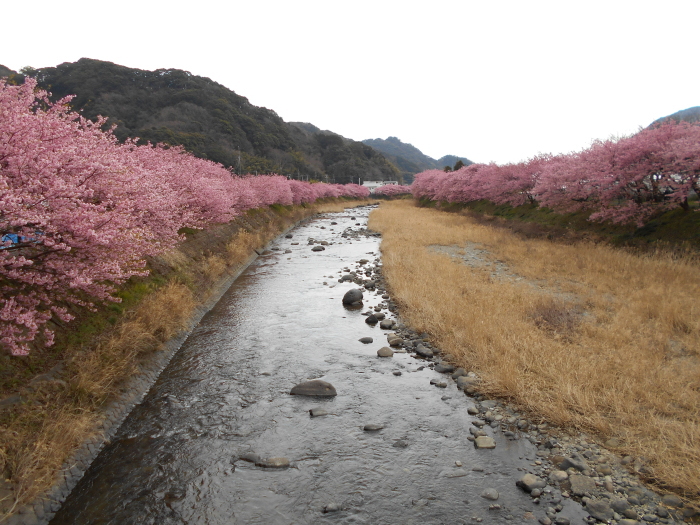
[79,211]
[392,190]
[624,180]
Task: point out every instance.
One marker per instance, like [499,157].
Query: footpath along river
[226,394]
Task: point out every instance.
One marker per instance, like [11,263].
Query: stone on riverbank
[581,484]
[387,324]
[600,510]
[484,442]
[530,482]
[315,387]
[424,351]
[352,296]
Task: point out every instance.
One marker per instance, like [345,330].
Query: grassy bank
[582,335]
[56,396]
[671,229]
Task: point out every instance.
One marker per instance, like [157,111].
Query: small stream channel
[226,393]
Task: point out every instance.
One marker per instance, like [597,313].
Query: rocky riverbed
[303,398]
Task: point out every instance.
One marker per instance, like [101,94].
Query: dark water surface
[226,393]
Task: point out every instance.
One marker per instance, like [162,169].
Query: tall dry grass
[585,336]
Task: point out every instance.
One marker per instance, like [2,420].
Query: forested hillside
[208,119]
[684,115]
[409,159]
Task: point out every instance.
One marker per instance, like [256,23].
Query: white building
[374,184]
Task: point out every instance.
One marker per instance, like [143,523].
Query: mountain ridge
[208,119]
[409,159]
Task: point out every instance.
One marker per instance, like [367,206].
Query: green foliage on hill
[208,119]
[409,159]
[6,71]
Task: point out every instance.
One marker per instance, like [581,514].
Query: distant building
[374,184]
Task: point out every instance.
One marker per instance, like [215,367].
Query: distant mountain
[208,119]
[686,115]
[6,71]
[409,159]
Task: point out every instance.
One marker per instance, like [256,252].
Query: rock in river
[387,324]
[530,482]
[365,340]
[317,248]
[385,351]
[491,494]
[373,428]
[315,387]
[484,442]
[352,296]
[273,463]
[318,412]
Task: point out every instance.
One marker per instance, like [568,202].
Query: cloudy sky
[492,81]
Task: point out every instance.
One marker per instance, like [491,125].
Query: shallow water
[226,393]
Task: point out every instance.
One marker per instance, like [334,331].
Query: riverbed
[181,455]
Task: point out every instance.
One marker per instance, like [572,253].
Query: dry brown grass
[585,336]
[58,415]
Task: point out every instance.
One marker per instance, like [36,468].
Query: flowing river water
[226,393]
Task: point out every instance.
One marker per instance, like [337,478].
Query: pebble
[372,428]
[529,482]
[490,494]
[331,507]
[558,475]
[484,442]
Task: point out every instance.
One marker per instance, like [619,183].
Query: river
[226,393]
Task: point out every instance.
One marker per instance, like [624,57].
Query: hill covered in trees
[685,115]
[409,159]
[211,121]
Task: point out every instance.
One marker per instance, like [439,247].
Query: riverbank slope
[55,400]
[581,335]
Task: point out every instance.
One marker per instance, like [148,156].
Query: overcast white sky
[490,80]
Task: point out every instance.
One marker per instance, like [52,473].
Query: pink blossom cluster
[79,211]
[625,180]
[392,190]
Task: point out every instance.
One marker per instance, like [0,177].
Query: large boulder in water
[314,388]
[352,296]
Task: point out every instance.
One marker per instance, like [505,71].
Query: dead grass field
[584,336]
[62,411]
